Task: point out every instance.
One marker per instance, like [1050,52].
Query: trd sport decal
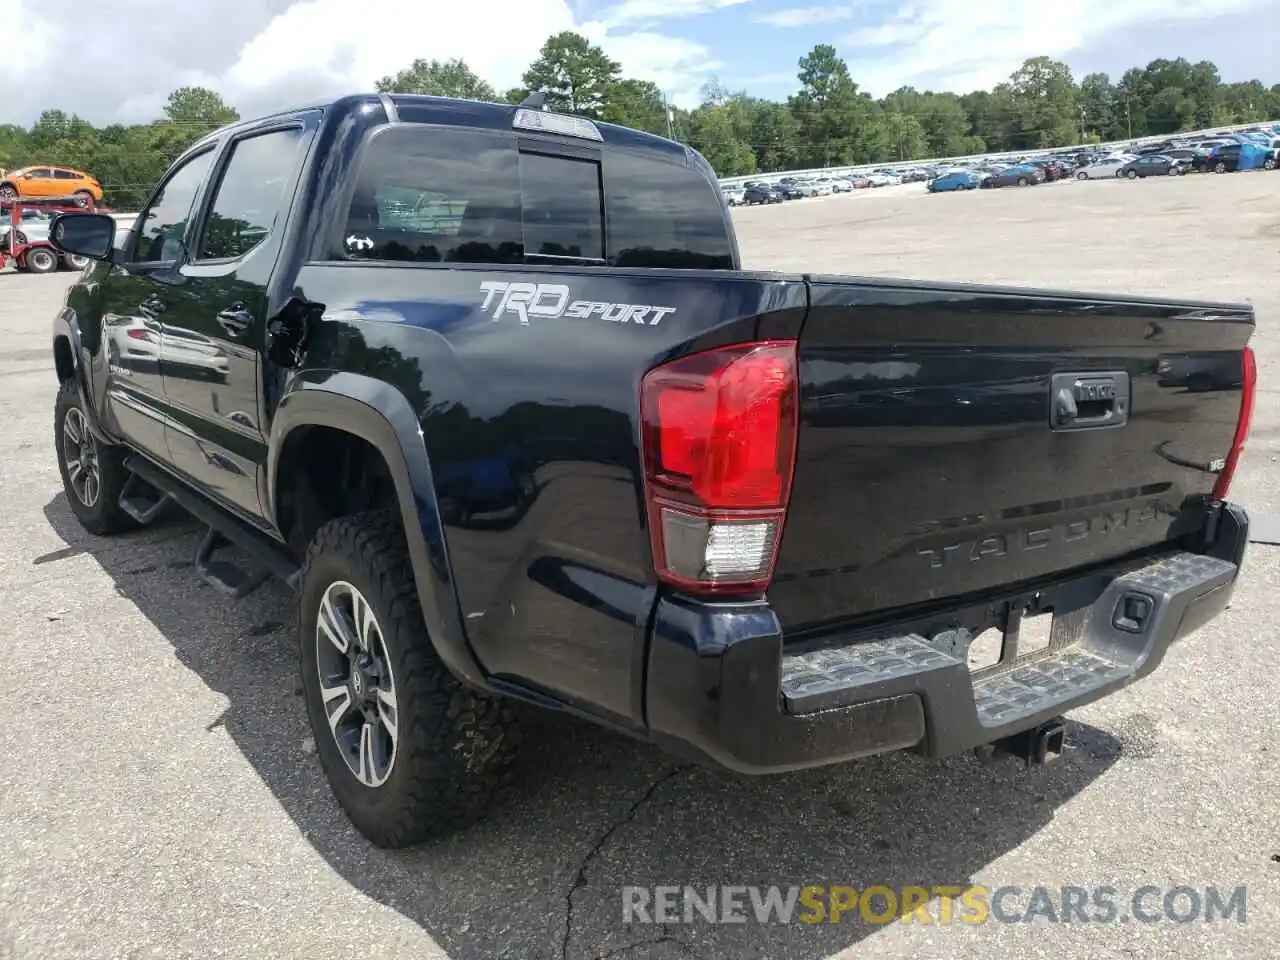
[552,300]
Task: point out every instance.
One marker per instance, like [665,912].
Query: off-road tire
[455,746]
[104,518]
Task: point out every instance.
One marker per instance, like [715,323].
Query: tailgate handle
[1089,401]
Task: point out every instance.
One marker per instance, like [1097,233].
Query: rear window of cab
[436,194]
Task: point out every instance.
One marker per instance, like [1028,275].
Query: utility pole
[1082,134]
[666,108]
[1128,114]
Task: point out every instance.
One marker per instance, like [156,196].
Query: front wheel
[41,260]
[1132,174]
[1220,167]
[8,192]
[408,751]
[83,198]
[1022,181]
[1268,164]
[1082,175]
[74,261]
[93,473]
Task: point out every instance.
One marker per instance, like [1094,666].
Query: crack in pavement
[580,875]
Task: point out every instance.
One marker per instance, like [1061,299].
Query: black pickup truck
[488,387]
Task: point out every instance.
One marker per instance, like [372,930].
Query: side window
[253,192]
[434,194]
[164,222]
[65,175]
[663,214]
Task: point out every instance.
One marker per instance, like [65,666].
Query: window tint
[432,195]
[561,203]
[65,175]
[252,193]
[662,214]
[164,223]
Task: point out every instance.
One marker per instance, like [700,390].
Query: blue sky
[264,55]
[945,44]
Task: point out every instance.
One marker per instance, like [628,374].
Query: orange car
[50,182]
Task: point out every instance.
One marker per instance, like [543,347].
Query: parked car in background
[1019,175]
[760,192]
[1053,170]
[1226,158]
[733,194]
[1196,160]
[1153,165]
[954,180]
[1104,168]
[36,182]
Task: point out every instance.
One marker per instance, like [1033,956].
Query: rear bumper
[719,687]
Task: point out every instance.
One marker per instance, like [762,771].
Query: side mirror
[84,234]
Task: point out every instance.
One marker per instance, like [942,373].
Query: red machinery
[39,255]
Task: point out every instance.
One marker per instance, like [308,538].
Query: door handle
[235,319]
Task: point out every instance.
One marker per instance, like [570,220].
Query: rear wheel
[41,260]
[1269,164]
[74,261]
[8,192]
[93,474]
[408,751]
[84,198]
[1219,167]
[1022,181]
[1082,175]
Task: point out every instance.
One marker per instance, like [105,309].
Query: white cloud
[807,16]
[263,55]
[963,45]
[650,11]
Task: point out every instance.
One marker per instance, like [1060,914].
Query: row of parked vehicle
[799,187]
[1223,153]
[1226,152]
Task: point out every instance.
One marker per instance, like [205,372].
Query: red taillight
[719,436]
[136,333]
[1248,389]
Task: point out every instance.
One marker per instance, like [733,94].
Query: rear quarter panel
[532,434]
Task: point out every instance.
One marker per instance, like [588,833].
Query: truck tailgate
[957,439]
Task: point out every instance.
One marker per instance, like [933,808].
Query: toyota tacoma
[489,388]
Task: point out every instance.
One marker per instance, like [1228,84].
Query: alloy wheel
[80,455]
[357,685]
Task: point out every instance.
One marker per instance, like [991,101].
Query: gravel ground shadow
[592,812]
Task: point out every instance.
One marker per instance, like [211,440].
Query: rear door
[215,325]
[934,461]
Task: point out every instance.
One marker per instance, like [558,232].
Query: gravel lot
[159,799]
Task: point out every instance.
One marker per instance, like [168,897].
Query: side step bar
[224,529]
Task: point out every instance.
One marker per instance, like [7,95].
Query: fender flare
[379,413]
[66,325]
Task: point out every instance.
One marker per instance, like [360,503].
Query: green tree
[199,105]
[440,78]
[827,108]
[576,76]
[1098,106]
[638,104]
[1045,104]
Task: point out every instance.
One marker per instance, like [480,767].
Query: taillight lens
[719,442]
[1248,389]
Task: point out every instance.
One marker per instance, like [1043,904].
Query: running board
[140,500]
[224,529]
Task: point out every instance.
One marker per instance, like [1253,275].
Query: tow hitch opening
[1039,745]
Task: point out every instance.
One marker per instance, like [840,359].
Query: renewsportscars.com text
[942,905]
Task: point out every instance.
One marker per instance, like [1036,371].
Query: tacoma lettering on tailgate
[1022,540]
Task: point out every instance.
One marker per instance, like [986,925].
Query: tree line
[828,120]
